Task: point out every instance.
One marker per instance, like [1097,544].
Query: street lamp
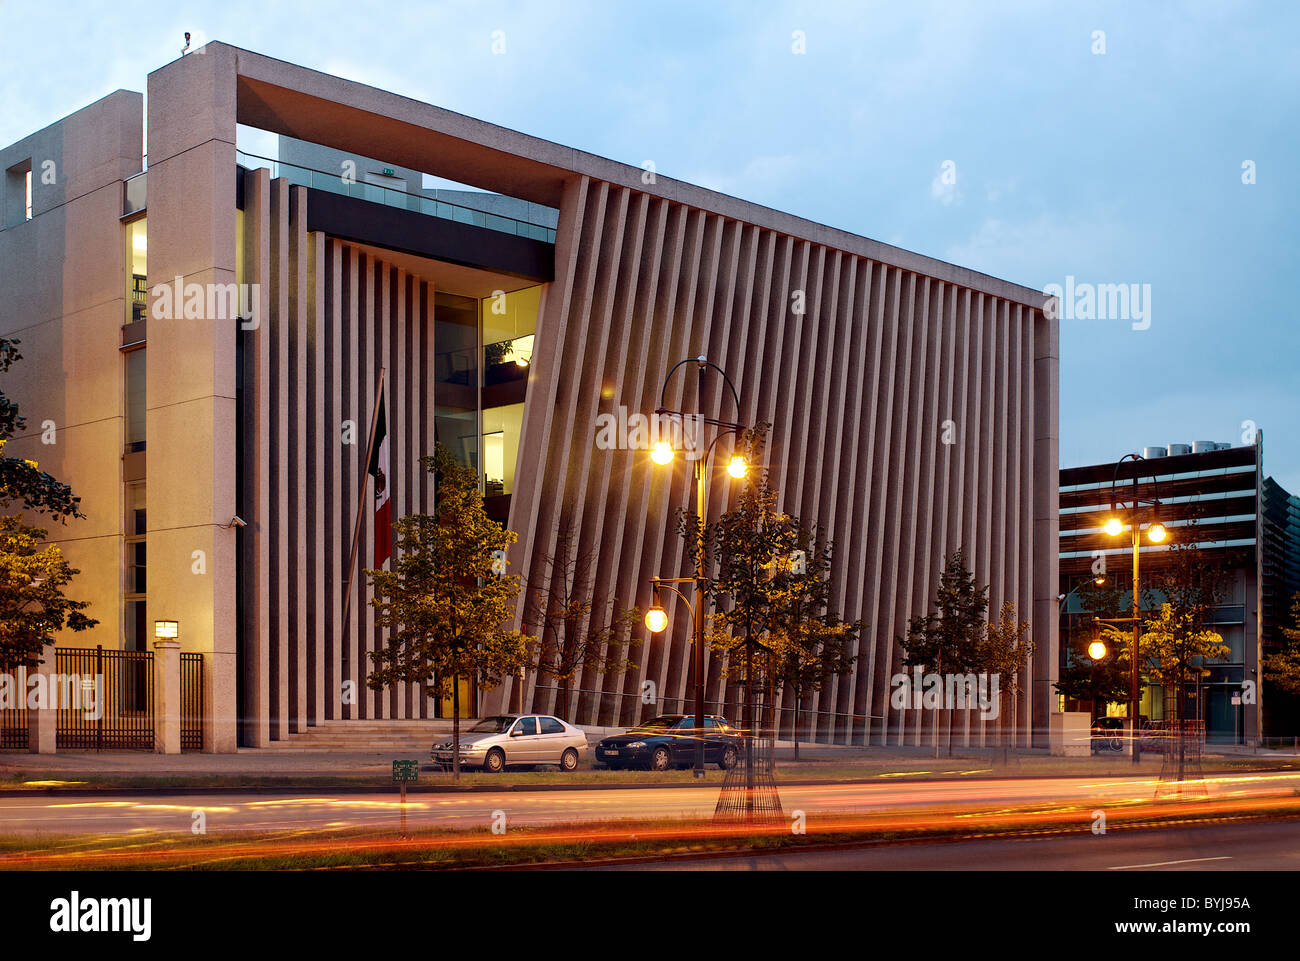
[663,454]
[1156,533]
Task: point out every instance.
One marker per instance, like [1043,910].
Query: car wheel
[495,762]
[728,759]
[569,760]
[661,760]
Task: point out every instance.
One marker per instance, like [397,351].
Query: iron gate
[121,715]
[13,719]
[191,702]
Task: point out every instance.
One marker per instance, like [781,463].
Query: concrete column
[215,735]
[190,401]
[167,697]
[41,722]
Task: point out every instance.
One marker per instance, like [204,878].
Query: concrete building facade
[913,403]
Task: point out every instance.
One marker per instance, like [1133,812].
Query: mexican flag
[379,470]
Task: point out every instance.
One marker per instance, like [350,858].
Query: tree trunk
[795,733]
[455,728]
[564,698]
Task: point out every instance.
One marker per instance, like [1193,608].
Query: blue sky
[1115,167]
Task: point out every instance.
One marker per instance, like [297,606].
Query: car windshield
[493,725]
[658,723]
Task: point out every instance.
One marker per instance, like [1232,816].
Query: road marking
[1160,864]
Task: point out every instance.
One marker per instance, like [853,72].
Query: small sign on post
[404,771]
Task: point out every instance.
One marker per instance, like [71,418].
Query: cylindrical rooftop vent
[1150,452]
[1176,449]
[1201,446]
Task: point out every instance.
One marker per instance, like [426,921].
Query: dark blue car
[669,741]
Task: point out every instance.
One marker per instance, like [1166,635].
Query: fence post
[167,697]
[42,722]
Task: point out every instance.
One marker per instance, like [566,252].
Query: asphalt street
[1240,846]
[253,811]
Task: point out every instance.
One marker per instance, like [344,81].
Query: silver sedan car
[507,740]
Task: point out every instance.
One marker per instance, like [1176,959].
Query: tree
[1175,646]
[747,545]
[951,636]
[575,634]
[33,607]
[448,596]
[1180,637]
[1282,666]
[1104,681]
[1004,650]
[808,644]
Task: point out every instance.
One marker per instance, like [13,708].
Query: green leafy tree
[749,583]
[1103,681]
[575,635]
[1181,639]
[33,607]
[1282,666]
[1004,650]
[1174,647]
[950,637]
[448,596]
[809,644]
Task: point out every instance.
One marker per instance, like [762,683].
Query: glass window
[137,264]
[509,322]
[501,429]
[135,400]
[456,376]
[551,726]
[526,725]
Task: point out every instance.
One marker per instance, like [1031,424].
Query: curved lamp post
[663,454]
[1156,533]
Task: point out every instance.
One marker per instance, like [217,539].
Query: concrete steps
[369,736]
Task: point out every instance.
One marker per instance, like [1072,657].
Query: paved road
[122,814]
[1241,846]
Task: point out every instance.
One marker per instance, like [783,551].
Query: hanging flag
[379,470]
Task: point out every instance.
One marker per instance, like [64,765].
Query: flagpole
[361,503]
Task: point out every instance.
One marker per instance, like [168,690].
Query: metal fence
[13,719]
[121,715]
[191,702]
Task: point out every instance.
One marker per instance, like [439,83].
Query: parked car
[511,740]
[1108,734]
[670,741]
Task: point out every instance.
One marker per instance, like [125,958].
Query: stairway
[413,738]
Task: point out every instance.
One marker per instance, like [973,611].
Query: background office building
[172,425]
[1213,495]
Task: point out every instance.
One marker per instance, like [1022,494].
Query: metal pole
[702,501]
[1134,699]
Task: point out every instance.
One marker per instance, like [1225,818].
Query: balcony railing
[420,203]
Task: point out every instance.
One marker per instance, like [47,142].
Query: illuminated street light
[1155,533]
[1096,650]
[656,619]
[662,454]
